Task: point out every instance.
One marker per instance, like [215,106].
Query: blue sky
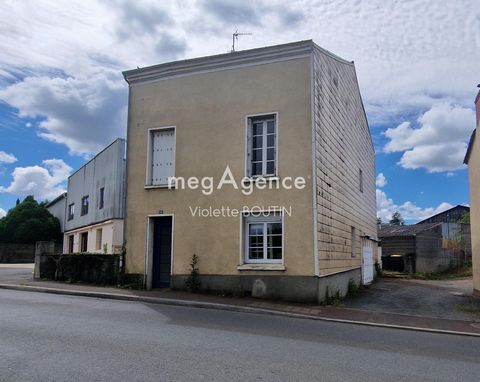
[62,96]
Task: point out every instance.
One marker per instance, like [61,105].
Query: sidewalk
[251,305]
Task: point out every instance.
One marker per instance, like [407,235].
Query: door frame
[148,274]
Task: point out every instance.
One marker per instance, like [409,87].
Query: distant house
[95,203]
[269,114]
[472,158]
[58,207]
[413,248]
[455,234]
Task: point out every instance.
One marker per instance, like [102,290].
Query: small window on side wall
[360,180]
[101,198]
[352,241]
[262,145]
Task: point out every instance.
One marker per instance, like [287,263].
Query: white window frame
[148,173]
[247,220]
[249,142]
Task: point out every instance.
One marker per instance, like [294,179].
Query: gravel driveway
[450,299]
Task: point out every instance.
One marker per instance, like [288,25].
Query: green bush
[193,281]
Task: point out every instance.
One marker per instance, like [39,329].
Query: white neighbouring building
[95,203]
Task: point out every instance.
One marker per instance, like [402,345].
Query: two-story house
[274,174]
[95,203]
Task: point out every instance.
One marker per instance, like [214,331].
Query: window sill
[261,267]
[147,187]
[268,178]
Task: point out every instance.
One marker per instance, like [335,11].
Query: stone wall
[89,268]
[17,253]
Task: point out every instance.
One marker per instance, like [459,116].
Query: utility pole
[235,37]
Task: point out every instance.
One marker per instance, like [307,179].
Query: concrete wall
[474,182]
[430,257]
[17,253]
[310,289]
[209,111]
[343,148]
[112,237]
[106,170]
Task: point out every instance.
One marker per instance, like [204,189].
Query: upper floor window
[262,145]
[71,211]
[84,205]
[161,156]
[101,198]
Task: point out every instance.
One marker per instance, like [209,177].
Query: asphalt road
[46,337]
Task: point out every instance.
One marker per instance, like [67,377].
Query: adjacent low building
[413,248]
[58,208]
[267,115]
[95,203]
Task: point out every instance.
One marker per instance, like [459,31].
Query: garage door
[367,261]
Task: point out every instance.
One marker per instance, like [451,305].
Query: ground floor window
[84,242]
[70,243]
[263,241]
[99,239]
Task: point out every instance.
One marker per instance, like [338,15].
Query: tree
[465,218]
[397,219]
[29,222]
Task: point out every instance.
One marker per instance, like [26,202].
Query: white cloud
[2,213]
[44,182]
[409,211]
[440,141]
[7,158]
[82,113]
[381,181]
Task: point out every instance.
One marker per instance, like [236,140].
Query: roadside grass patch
[470,307]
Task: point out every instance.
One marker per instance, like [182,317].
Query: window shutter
[249,147]
[163,156]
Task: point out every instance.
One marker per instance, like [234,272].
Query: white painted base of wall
[105,237]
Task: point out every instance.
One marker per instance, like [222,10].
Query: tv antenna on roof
[235,37]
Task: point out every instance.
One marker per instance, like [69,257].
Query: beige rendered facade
[278,115]
[472,158]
